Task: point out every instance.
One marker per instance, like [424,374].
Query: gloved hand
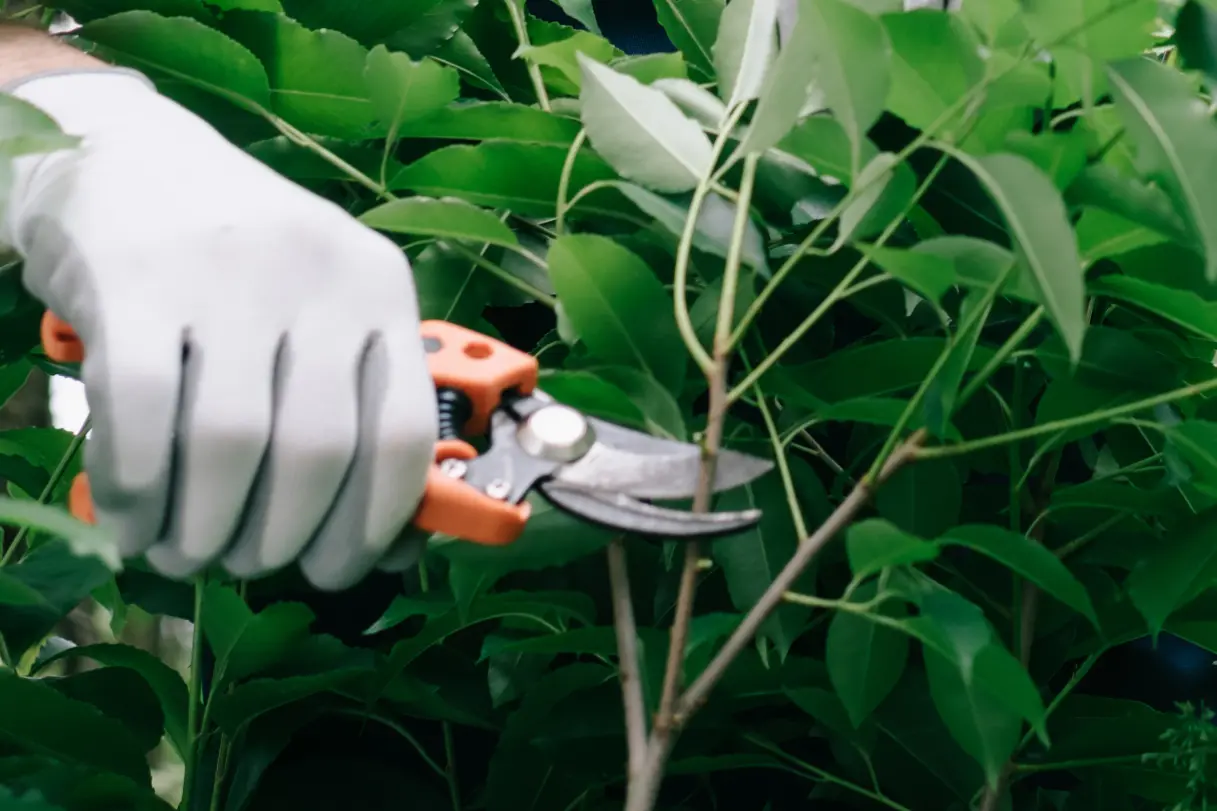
[254,365]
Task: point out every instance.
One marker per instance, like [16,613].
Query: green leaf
[403,91]
[873,545]
[581,10]
[875,369]
[463,54]
[788,88]
[873,181]
[652,68]
[852,55]
[935,65]
[692,25]
[714,223]
[1173,573]
[586,391]
[1183,307]
[979,264]
[744,49]
[619,308]
[661,413]
[1102,234]
[1196,442]
[246,643]
[497,120]
[534,608]
[985,729]
[416,27]
[25,128]
[1061,155]
[85,11]
[641,132]
[1085,34]
[1176,142]
[316,77]
[165,682]
[924,499]
[865,659]
[979,688]
[1104,187]
[551,538]
[563,58]
[929,275]
[1112,358]
[500,174]
[79,734]
[29,801]
[1029,559]
[63,580]
[442,219]
[1195,27]
[183,49]
[1036,217]
[120,694]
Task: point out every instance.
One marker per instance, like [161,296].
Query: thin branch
[516,12]
[1082,421]
[772,598]
[629,672]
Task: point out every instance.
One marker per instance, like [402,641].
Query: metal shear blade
[644,466]
[610,468]
[628,514]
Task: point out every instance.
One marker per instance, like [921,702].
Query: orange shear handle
[459,358]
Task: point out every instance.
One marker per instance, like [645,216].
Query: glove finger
[313,443]
[397,434]
[226,414]
[132,377]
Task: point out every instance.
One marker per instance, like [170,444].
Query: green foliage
[996,228]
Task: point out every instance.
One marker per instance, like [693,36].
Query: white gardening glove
[253,365]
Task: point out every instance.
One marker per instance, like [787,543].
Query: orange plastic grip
[60,341]
[481,367]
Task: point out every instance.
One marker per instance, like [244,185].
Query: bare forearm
[26,51]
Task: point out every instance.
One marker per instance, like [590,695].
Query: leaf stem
[827,777]
[516,12]
[1001,356]
[502,275]
[568,169]
[838,292]
[726,301]
[61,468]
[684,253]
[195,691]
[454,786]
[1069,424]
[976,317]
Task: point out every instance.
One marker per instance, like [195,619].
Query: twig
[516,12]
[629,672]
[1027,614]
[841,517]
[61,469]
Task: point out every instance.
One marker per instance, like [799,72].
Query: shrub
[952,271]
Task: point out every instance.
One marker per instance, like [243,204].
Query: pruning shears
[597,470]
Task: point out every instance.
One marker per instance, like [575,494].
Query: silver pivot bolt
[499,489]
[454,468]
[556,433]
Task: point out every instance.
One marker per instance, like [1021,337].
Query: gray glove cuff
[9,87]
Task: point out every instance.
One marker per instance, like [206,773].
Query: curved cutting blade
[643,466]
[622,512]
